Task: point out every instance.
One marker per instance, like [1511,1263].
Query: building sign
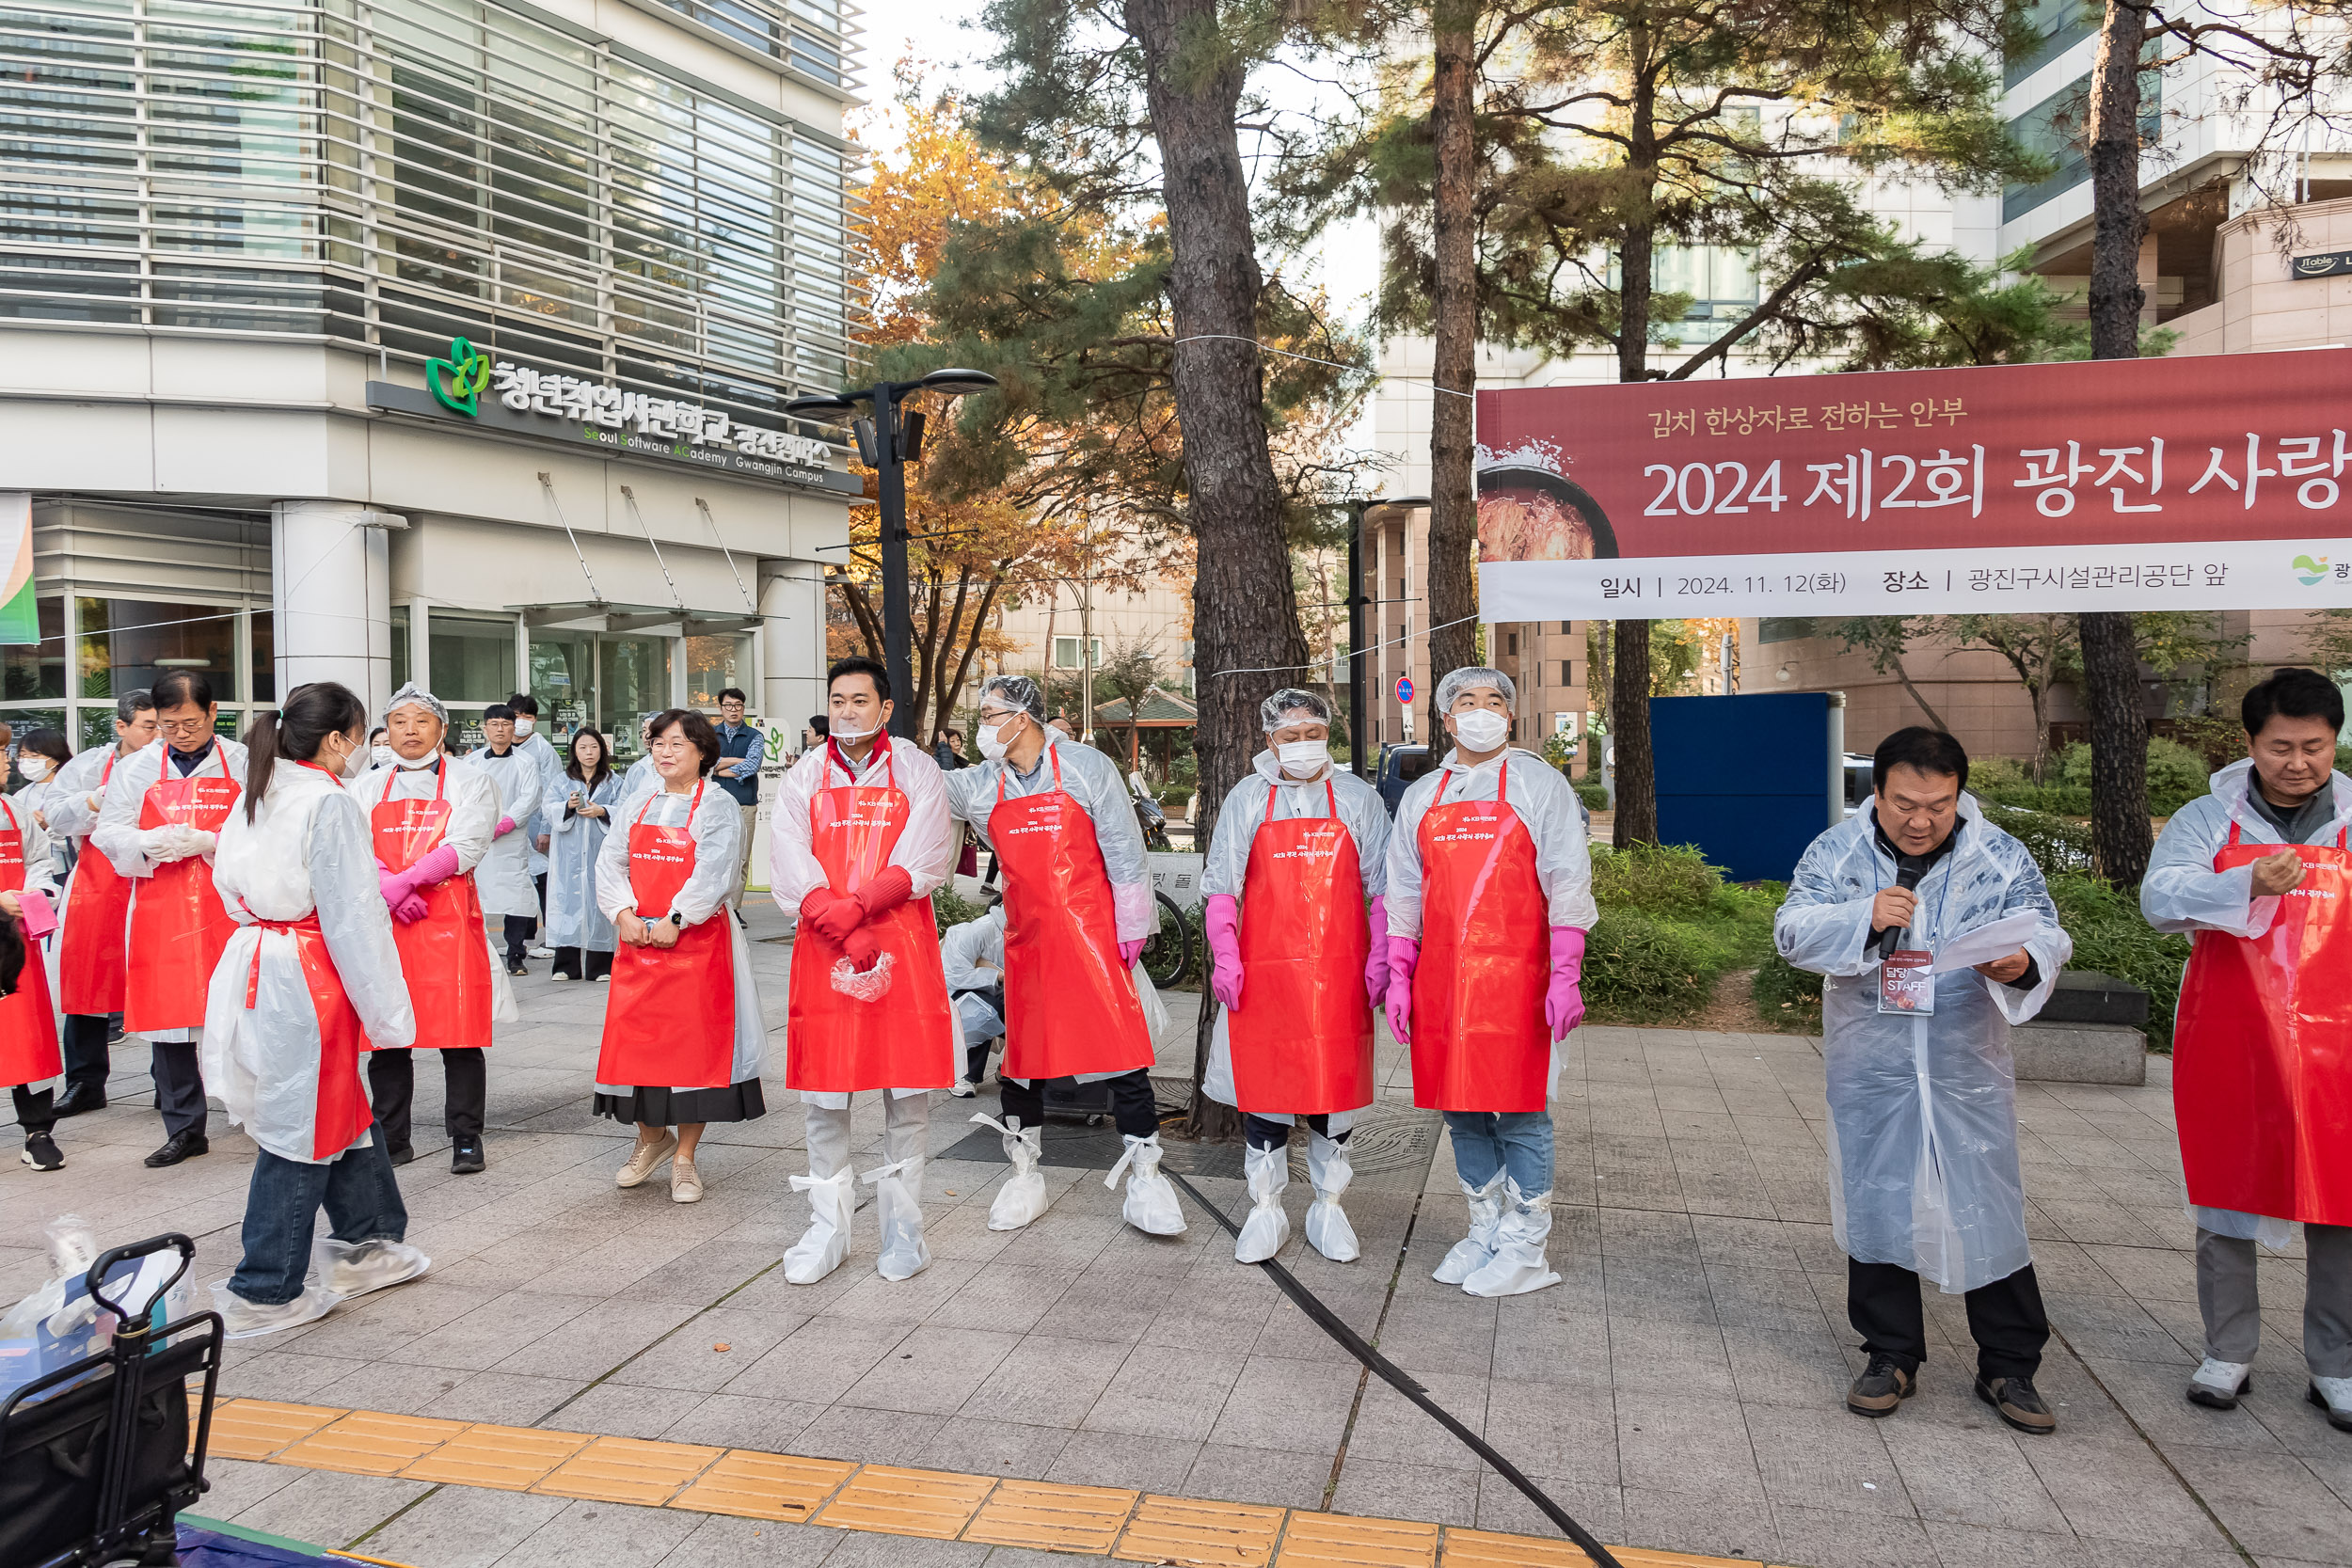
[521,399]
[2114,484]
[2327,263]
[20,615]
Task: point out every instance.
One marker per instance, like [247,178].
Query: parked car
[1858,785]
[1399,766]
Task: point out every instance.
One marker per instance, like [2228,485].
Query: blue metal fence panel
[1746,778]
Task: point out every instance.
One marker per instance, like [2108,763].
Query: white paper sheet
[1986,943]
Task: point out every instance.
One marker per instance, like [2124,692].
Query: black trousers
[1132,1109]
[569,961]
[179,1087]
[33,1112]
[87,1058]
[520,928]
[392,1088]
[1258,1133]
[2005,1318]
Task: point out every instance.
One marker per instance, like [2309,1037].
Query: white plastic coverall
[1237,823]
[1092,780]
[553,786]
[474,815]
[117,835]
[717,830]
[503,878]
[641,775]
[973,954]
[2183,891]
[307,848]
[1923,1110]
[574,841]
[39,798]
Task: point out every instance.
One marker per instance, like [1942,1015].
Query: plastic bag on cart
[58,1324]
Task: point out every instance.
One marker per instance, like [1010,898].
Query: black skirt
[656,1107]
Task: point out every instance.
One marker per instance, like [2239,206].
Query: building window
[2055,128]
[400,662]
[128,645]
[264,655]
[472,657]
[2058,25]
[715,662]
[31,672]
[1567,675]
[633,685]
[1066,653]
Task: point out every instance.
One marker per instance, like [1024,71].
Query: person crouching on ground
[1924,1177]
[309,978]
[1489,896]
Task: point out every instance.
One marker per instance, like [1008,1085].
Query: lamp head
[955,383]
[820,406]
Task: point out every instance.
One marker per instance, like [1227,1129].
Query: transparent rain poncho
[1923,1110]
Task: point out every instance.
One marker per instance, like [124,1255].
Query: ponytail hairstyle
[294,729]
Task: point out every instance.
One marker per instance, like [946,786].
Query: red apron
[28,1024]
[342,1112]
[444,957]
[669,1022]
[902,1040]
[89,949]
[1070,1004]
[2262,1051]
[1480,1042]
[1301,1039]
[178,924]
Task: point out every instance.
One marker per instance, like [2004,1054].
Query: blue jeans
[281,1211]
[1520,1142]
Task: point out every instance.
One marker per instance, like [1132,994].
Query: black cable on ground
[1395,1377]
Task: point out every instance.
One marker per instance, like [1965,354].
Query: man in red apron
[2261,871]
[1077,911]
[431,818]
[1299,965]
[861,836]
[159,824]
[28,1023]
[97,909]
[1489,895]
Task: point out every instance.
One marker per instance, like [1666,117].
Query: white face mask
[382,756]
[992,739]
[847,737]
[1481,729]
[33,766]
[522,725]
[1303,759]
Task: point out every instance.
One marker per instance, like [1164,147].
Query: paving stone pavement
[1680,1389]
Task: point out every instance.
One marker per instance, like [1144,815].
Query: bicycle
[1167,951]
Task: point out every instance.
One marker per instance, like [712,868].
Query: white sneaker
[685,1183]
[249,1320]
[1267,1228]
[1022,1198]
[559,974]
[543,952]
[601,978]
[2217,1385]
[1151,1206]
[2334,1395]
[645,1159]
[354,1267]
[964,1089]
[1476,1250]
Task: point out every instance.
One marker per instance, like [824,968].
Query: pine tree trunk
[1637,780]
[2119,727]
[1453,503]
[1245,615]
[1629,703]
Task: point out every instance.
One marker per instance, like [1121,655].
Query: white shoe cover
[1327,1230]
[1022,1198]
[1518,1264]
[354,1267]
[1152,1206]
[826,1242]
[1476,1250]
[249,1320]
[1267,1228]
[898,1205]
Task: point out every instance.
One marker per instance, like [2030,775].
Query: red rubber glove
[1130,951]
[832,916]
[1404,956]
[889,888]
[863,947]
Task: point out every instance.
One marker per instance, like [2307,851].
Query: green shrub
[2111,937]
[2058,846]
[2177,776]
[1786,997]
[2060,799]
[1997,773]
[949,909]
[1672,880]
[1640,970]
[1592,792]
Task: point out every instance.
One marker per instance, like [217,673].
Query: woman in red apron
[683,1035]
[94,925]
[433,818]
[28,1023]
[308,977]
[860,837]
[2261,871]
[1298,966]
[1489,897]
[1077,911]
[158,826]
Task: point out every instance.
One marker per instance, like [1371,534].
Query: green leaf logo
[457,382]
[2312,573]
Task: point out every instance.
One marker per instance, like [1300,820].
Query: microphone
[1906,878]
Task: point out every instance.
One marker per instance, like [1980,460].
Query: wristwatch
[677,920]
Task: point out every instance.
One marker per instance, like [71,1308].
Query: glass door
[632,684]
[564,678]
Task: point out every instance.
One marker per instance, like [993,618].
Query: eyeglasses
[184,726]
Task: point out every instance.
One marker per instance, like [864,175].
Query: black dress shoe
[79,1097]
[464,1157]
[515,966]
[402,1155]
[2019,1403]
[1884,1384]
[179,1146]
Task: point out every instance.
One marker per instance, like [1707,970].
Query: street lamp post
[887,442]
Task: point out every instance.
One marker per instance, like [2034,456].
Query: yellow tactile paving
[1051,1517]
[1341,1541]
[259,1429]
[883,1498]
[369,1444]
[511,1459]
[1188,1531]
[765,1486]
[626,1470]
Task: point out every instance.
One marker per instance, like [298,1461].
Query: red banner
[2218,481]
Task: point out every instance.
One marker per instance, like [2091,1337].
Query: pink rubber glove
[1564,999]
[1376,961]
[1221,918]
[410,909]
[436,868]
[388,883]
[1403,954]
[506,825]
[1130,951]
[833,915]
[38,918]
